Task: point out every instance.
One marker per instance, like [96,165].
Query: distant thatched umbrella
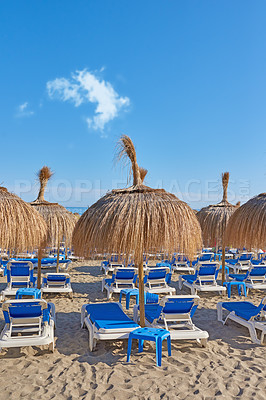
[247,226]
[60,222]
[214,218]
[21,227]
[137,220]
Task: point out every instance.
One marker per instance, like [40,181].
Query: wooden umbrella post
[223,262]
[141,292]
[39,271]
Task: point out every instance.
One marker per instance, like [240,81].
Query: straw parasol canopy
[214,218]
[247,226]
[137,220]
[21,227]
[60,222]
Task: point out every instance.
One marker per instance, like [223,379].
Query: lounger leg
[253,334]
[219,312]
[180,282]
[141,342]
[129,345]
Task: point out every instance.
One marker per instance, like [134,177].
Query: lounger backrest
[179,304]
[206,257]
[19,309]
[19,271]
[245,257]
[257,272]
[124,274]
[157,274]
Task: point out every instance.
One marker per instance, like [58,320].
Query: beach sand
[231,367]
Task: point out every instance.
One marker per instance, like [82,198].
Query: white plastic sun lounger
[204,279]
[246,314]
[57,283]
[19,275]
[175,313]
[106,321]
[124,278]
[28,323]
[156,281]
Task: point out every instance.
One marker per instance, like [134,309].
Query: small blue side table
[128,293]
[241,286]
[34,292]
[154,335]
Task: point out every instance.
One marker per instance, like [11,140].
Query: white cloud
[23,110]
[86,87]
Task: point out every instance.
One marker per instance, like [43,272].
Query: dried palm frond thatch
[59,220]
[21,227]
[137,220]
[214,218]
[247,226]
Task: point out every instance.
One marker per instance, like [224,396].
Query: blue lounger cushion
[109,316]
[243,309]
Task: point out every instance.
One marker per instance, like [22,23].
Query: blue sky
[184,79]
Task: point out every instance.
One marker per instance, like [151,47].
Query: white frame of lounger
[172,323]
[240,266]
[102,334]
[251,324]
[214,287]
[9,290]
[57,287]
[46,331]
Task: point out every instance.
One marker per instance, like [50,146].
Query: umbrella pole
[141,294]
[57,259]
[39,271]
[223,263]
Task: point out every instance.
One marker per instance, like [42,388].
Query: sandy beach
[231,366]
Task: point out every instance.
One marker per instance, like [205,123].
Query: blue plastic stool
[151,334]
[241,286]
[148,297]
[35,293]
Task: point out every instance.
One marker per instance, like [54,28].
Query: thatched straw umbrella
[214,218]
[60,222]
[247,226]
[21,227]
[135,220]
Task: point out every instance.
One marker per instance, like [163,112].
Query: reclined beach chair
[242,263]
[204,279]
[124,278]
[157,281]
[28,323]
[106,321]
[111,264]
[247,314]
[254,278]
[180,263]
[57,283]
[174,313]
[203,258]
[19,275]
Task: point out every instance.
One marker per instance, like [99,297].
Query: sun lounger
[254,278]
[174,313]
[28,323]
[19,275]
[180,263]
[247,314]
[57,283]
[242,263]
[106,321]
[204,279]
[124,278]
[157,281]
